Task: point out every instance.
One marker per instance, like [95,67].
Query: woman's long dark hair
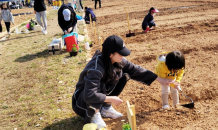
[109,67]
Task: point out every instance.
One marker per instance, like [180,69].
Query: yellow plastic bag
[90,126]
[102,129]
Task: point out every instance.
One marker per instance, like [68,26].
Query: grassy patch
[52,14]
[22,25]
[81,30]
[38,87]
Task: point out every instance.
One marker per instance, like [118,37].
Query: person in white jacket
[7,16]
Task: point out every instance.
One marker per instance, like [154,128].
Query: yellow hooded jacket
[162,71]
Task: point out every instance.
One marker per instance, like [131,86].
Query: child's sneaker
[45,32]
[97,119]
[146,30]
[9,35]
[110,113]
[166,107]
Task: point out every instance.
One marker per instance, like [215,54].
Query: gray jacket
[7,16]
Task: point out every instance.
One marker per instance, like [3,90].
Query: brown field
[199,44]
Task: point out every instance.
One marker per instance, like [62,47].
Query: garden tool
[129,34]
[189,105]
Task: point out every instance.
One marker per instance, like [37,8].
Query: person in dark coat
[89,11]
[67,18]
[148,20]
[104,78]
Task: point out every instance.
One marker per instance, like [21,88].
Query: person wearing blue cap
[67,18]
[104,78]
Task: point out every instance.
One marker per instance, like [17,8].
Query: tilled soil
[188,26]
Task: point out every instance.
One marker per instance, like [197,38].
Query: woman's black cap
[115,44]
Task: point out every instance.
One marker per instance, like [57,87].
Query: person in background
[99,1]
[40,9]
[79,6]
[23,2]
[27,4]
[89,11]
[9,3]
[50,2]
[13,3]
[67,18]
[7,17]
[148,20]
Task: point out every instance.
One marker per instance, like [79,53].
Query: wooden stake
[99,40]
[127,15]
[94,30]
[90,19]
[134,118]
[131,115]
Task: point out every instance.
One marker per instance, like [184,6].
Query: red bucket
[70,42]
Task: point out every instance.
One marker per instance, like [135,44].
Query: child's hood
[162,56]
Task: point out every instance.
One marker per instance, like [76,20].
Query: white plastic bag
[25,31]
[17,30]
[55,40]
[87,46]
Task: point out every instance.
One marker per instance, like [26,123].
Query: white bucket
[37,28]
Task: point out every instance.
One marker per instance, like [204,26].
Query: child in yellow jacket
[170,66]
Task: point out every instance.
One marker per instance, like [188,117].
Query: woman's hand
[114,100]
[164,81]
[65,32]
[70,29]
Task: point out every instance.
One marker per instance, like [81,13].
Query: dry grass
[36,88]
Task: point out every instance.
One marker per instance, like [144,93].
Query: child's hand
[178,88]
[176,83]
